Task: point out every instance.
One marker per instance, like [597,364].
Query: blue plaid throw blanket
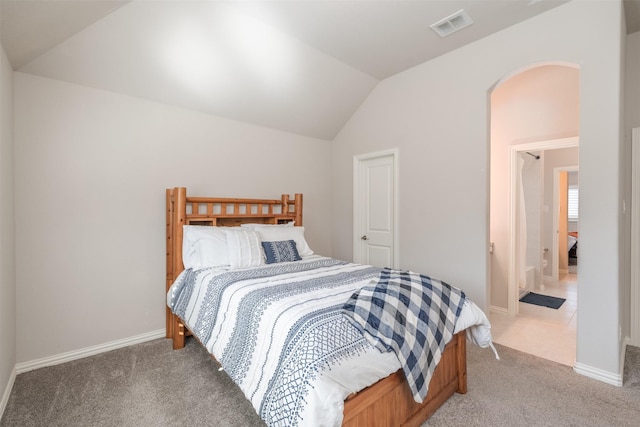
[411,314]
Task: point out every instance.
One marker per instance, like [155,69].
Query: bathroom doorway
[536,102]
[539,215]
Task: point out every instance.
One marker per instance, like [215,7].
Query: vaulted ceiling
[301,66]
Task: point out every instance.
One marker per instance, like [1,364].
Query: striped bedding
[279,332]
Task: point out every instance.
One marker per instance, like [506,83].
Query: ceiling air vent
[452,23]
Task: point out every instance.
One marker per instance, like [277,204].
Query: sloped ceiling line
[299,66]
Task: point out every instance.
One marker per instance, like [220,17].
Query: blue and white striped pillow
[281,251]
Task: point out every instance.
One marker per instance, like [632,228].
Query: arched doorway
[534,112]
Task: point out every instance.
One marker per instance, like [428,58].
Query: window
[572,208]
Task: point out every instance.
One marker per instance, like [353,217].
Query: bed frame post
[176,218]
[298,209]
[461,362]
[169,260]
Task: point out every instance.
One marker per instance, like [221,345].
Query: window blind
[572,208]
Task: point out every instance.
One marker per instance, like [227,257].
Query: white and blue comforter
[279,332]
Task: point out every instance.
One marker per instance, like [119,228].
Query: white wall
[91,168]
[7,264]
[437,114]
[538,104]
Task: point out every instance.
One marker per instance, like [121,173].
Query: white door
[375,212]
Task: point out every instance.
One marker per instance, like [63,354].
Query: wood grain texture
[389,402]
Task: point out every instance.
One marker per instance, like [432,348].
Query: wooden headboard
[213,211]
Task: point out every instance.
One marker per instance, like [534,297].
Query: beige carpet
[151,385]
[524,390]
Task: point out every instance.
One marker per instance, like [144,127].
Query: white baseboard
[499,310]
[7,392]
[88,351]
[605,376]
[598,374]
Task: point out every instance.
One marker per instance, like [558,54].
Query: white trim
[357,163]
[7,392]
[88,351]
[528,67]
[635,236]
[498,310]
[598,374]
[512,291]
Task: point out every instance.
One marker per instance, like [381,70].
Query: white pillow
[244,248]
[204,247]
[269,233]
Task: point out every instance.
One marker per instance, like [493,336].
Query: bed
[335,391]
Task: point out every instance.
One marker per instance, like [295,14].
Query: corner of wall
[7,240]
[7,392]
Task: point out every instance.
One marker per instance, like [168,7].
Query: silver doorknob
[364,237]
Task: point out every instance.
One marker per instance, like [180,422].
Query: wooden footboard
[389,402]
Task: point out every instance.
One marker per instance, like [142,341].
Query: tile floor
[542,331]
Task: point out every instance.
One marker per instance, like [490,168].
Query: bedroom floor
[542,331]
